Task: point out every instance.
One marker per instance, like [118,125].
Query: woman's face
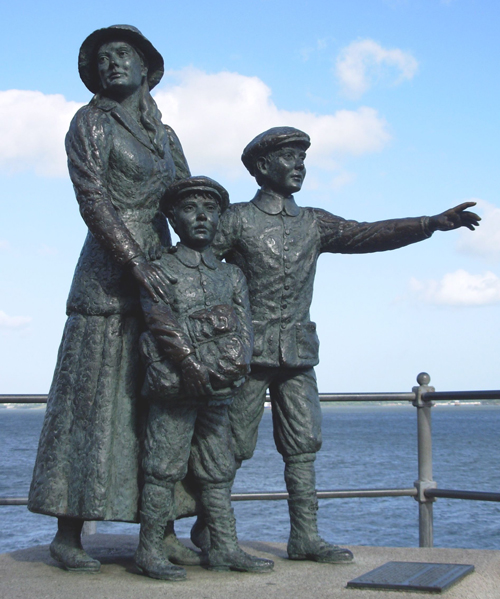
[121,69]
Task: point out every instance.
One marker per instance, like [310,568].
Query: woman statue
[121,158]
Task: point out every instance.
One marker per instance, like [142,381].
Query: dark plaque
[412,576]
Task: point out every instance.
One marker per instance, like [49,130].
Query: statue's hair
[267,157]
[257,174]
[151,120]
[150,113]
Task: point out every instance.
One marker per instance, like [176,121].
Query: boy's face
[195,219]
[283,170]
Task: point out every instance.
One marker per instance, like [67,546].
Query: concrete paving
[32,574]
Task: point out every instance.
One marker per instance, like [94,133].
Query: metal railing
[425,489]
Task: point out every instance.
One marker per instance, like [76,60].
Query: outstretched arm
[455,218]
[351,237]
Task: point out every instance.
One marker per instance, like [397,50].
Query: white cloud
[459,288]
[361,63]
[4,244]
[216,115]
[485,241]
[13,322]
[33,127]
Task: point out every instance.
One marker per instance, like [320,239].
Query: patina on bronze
[277,244]
[197,350]
[121,159]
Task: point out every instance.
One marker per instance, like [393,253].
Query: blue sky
[400,98]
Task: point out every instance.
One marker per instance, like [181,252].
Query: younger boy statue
[197,351]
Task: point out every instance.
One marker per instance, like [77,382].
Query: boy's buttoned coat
[277,244]
[208,302]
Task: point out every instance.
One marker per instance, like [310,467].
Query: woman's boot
[66,548]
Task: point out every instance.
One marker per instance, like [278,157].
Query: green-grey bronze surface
[197,350]
[121,160]
[277,244]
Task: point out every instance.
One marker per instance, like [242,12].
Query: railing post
[425,480]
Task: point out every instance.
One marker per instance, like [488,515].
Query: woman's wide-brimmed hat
[87,58]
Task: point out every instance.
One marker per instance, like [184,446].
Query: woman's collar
[125,119]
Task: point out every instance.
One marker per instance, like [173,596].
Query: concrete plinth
[32,574]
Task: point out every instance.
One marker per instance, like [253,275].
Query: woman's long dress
[89,451]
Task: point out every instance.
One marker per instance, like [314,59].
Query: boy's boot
[200,535]
[225,553]
[304,542]
[150,556]
[177,552]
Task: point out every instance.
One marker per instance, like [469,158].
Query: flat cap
[191,185]
[87,58]
[269,140]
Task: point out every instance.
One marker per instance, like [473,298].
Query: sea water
[364,446]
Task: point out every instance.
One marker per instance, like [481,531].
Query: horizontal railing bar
[366,396]
[323,397]
[339,494]
[23,399]
[454,494]
[13,501]
[343,493]
[458,395]
[410,492]
[326,397]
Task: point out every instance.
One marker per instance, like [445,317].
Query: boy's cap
[188,186]
[269,140]
[87,58]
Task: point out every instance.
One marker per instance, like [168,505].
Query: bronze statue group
[168,352]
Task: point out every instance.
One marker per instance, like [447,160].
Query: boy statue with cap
[276,243]
[197,351]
